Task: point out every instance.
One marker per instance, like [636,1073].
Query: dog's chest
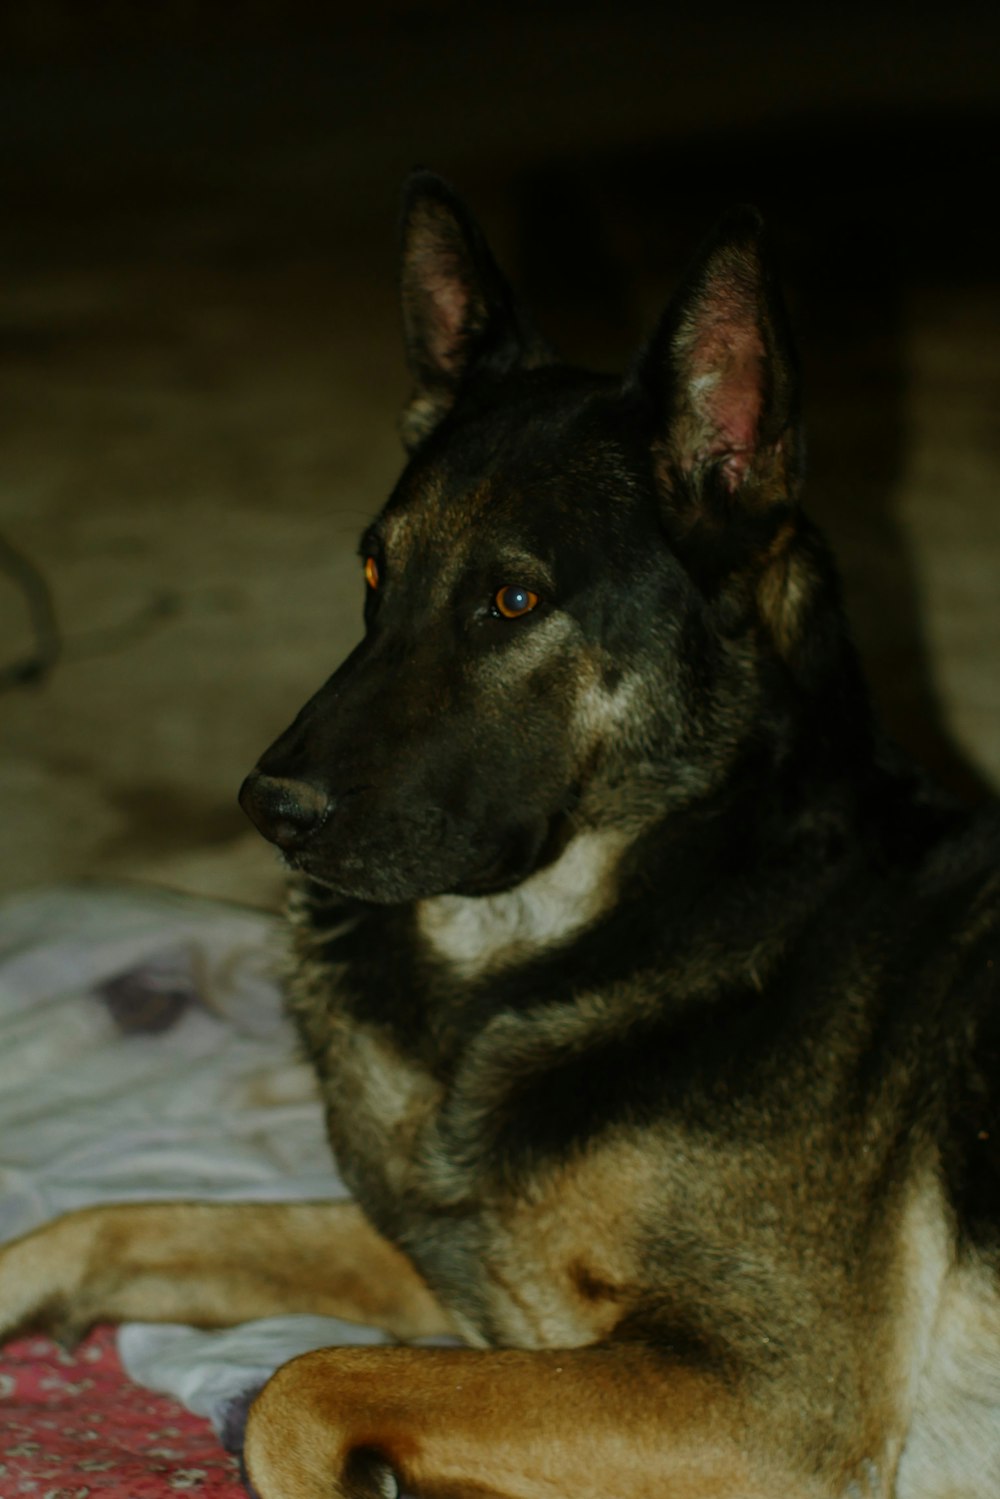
[538,1266]
[379,1103]
[549,1263]
[550,1258]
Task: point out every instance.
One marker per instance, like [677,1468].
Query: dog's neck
[473,935]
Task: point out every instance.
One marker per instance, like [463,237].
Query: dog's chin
[384,882]
[512,866]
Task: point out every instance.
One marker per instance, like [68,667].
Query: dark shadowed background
[201,367]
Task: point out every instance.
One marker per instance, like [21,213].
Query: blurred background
[201,368]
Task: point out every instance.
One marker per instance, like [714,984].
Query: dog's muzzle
[288,812]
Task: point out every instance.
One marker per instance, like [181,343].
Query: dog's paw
[364,1475]
[292,1446]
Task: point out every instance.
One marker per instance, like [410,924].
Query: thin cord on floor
[41,611]
[50,644]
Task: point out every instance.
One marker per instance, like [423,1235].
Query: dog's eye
[372,574]
[513,601]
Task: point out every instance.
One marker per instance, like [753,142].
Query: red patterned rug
[72,1426]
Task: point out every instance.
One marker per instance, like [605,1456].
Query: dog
[653,996]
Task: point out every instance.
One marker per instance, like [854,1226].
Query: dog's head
[573,593]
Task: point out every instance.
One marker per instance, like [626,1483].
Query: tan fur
[211,1265]
[784,588]
[554,1287]
[426,1415]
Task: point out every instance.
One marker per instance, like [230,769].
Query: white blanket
[143,1054]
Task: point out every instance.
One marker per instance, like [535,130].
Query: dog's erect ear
[720,382]
[459,317]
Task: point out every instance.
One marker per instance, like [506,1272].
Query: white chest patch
[953,1447]
[475,933]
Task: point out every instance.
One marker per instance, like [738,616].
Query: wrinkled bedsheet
[143,1054]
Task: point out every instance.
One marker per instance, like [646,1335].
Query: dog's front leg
[604,1422]
[210,1265]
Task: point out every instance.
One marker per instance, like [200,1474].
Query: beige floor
[200,395]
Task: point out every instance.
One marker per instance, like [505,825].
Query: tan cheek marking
[600,713]
[531,648]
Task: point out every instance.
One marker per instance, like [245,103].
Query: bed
[143,1054]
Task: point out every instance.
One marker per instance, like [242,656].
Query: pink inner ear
[721,358]
[725,388]
[446,303]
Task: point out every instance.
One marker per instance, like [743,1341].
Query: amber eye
[372,577]
[514,601]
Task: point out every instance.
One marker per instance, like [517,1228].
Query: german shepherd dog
[653,998]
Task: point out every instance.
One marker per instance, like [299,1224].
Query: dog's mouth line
[352,874]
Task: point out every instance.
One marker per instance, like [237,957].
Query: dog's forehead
[442,516]
[524,483]
[443,535]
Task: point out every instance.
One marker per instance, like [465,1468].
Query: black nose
[286,811]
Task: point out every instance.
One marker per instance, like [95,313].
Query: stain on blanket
[151,997]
